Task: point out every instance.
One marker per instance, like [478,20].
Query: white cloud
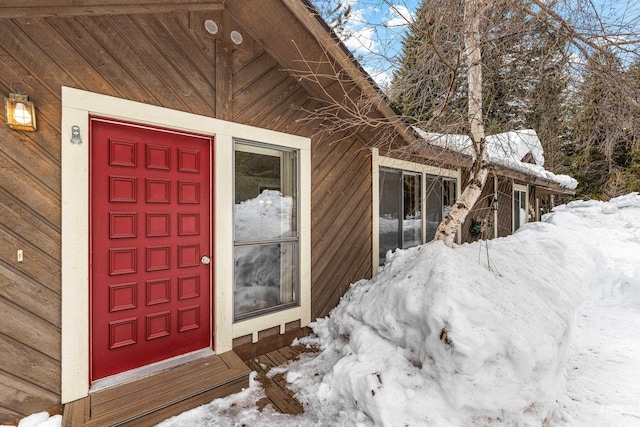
[361,40]
[400,16]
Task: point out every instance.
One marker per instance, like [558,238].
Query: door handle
[205,260]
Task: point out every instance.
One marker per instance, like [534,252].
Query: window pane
[434,205]
[519,209]
[390,196]
[449,196]
[265,193]
[412,212]
[265,229]
[265,277]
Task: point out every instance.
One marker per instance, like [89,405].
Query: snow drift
[446,341]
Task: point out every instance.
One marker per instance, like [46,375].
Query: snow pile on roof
[506,149]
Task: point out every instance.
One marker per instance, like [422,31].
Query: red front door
[150,229]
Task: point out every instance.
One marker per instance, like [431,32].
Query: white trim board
[77,106]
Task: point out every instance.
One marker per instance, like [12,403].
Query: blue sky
[376,29]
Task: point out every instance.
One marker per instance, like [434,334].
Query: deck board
[154,398]
[275,387]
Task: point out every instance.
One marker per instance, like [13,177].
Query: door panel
[150,227]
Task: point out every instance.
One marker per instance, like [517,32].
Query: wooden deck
[149,400]
[275,387]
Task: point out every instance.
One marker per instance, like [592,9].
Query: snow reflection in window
[265,229]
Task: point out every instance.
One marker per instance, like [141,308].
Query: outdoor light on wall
[20,112]
[494,204]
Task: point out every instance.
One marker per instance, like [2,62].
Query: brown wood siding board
[329,190]
[298,126]
[47,106]
[295,113]
[338,253]
[505,211]
[335,254]
[262,110]
[31,365]
[35,162]
[20,398]
[243,57]
[248,73]
[347,197]
[41,301]
[65,55]
[330,285]
[184,74]
[336,169]
[22,326]
[245,100]
[286,111]
[161,59]
[199,49]
[37,265]
[119,37]
[116,79]
[112,78]
[31,57]
[324,153]
[224,81]
[98,7]
[343,229]
[9,416]
[37,231]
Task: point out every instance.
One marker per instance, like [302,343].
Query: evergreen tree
[605,127]
[523,72]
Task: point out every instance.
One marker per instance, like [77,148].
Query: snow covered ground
[539,328]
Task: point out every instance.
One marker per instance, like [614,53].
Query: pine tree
[605,126]
[523,73]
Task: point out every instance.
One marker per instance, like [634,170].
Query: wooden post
[224,80]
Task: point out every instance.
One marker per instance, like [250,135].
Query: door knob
[206,260]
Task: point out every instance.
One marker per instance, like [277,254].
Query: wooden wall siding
[505,211]
[532,203]
[481,211]
[153,59]
[159,59]
[341,220]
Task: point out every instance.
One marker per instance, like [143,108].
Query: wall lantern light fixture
[20,112]
[494,204]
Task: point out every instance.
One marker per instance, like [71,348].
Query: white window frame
[77,106]
[523,189]
[378,162]
[242,145]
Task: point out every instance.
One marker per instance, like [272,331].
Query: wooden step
[149,400]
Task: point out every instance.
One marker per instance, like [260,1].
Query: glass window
[265,229]
[390,200]
[519,208]
[412,211]
[400,210]
[402,206]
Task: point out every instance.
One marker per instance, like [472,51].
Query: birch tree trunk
[473,10]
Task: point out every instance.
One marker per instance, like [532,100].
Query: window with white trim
[411,206]
[266,237]
[520,208]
